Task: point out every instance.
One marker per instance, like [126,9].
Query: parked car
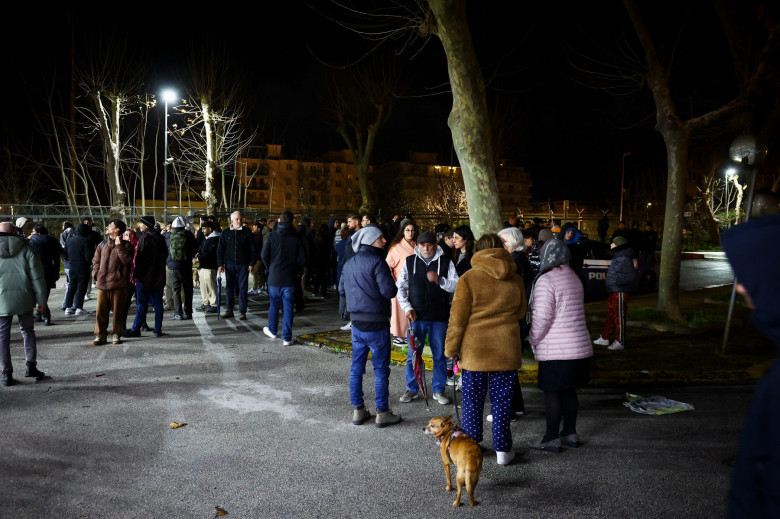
[597,258]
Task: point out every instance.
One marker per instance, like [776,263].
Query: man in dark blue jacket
[620,280]
[755,487]
[236,257]
[368,285]
[284,256]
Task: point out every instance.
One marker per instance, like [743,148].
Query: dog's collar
[455,433]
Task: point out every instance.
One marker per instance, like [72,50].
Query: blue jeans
[378,343]
[475,388]
[237,281]
[436,331]
[281,296]
[143,298]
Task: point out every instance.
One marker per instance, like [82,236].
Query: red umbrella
[417,362]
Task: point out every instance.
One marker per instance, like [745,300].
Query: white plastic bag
[655,405]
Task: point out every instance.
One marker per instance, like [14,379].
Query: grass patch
[703,318]
[648,314]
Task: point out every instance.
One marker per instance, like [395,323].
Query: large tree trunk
[469,120]
[677,141]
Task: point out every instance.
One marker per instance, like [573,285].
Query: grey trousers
[28,334]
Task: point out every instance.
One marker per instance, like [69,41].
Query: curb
[598,378]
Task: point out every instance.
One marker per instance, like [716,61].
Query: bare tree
[112,82]
[676,133]
[212,136]
[361,100]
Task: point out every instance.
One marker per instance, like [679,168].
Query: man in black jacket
[236,257]
[79,251]
[284,256]
[149,274]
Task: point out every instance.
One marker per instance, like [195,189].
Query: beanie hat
[427,237]
[365,236]
[178,222]
[148,220]
[545,234]
[619,240]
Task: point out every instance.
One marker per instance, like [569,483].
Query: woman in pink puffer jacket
[561,344]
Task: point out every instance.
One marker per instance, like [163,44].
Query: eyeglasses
[408,230]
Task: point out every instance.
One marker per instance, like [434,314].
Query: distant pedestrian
[367,284]
[619,282]
[602,227]
[236,257]
[207,271]
[149,274]
[755,485]
[283,254]
[79,250]
[182,248]
[48,249]
[111,270]
[258,272]
[23,285]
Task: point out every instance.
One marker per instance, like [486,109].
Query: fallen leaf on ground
[101,375]
[176,425]
[220,512]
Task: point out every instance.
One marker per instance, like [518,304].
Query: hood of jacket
[213,234]
[554,253]
[623,250]
[83,229]
[754,260]
[284,228]
[496,263]
[11,245]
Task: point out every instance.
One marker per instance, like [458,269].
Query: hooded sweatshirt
[484,325]
[21,276]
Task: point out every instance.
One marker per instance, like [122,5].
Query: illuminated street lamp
[169,96]
[729,175]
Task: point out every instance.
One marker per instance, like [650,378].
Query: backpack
[178,243]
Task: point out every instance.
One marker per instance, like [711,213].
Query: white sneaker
[268,332]
[81,311]
[289,343]
[86,297]
[615,346]
[347,326]
[69,311]
[441,398]
[601,341]
[505,458]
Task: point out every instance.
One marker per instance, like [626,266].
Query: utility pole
[622,182]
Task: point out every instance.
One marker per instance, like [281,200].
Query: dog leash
[455,371]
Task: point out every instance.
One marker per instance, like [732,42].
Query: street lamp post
[169,96]
[729,174]
[622,180]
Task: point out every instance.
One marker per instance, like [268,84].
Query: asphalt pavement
[268,434]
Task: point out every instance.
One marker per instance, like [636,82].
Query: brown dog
[458,448]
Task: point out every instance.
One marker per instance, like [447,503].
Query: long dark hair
[400,235]
[464,231]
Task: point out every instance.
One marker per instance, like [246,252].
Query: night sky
[569,135]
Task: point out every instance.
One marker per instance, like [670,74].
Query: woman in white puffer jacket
[561,344]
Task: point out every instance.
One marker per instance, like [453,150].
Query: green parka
[22,280]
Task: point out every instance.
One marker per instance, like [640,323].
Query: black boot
[7,380]
[33,371]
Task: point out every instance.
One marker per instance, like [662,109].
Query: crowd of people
[465,297]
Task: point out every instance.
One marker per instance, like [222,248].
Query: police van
[597,258]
